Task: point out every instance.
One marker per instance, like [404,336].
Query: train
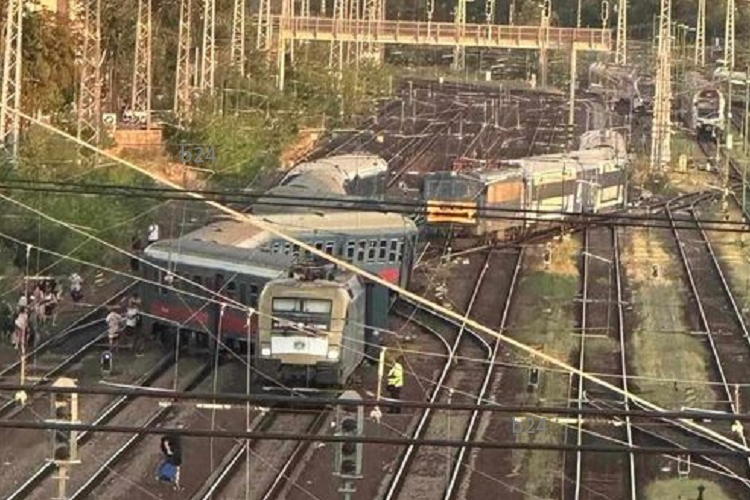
[237,259]
[619,85]
[312,329]
[528,192]
[702,105]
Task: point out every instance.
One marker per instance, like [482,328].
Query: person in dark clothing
[171,448]
[136,246]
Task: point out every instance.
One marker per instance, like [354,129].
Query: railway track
[101,451]
[269,465]
[601,322]
[427,471]
[717,313]
[75,341]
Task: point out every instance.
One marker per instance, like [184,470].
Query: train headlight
[333,352]
[265,351]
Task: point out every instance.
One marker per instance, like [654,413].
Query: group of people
[35,309]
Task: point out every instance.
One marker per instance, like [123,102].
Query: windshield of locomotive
[451,189]
[708,104]
[290,315]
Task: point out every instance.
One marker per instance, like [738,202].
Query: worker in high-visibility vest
[395,382]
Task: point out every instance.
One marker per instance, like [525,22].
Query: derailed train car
[523,193]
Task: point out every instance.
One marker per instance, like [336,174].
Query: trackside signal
[64,448]
[350,419]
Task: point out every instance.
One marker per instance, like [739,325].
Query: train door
[214,314]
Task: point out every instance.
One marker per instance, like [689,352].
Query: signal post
[64,443]
[350,419]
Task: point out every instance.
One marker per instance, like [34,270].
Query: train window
[218,282]
[275,247]
[243,293]
[319,245]
[253,296]
[198,280]
[361,251]
[231,290]
[295,251]
[393,254]
[284,305]
[350,246]
[316,306]
[372,250]
[287,248]
[330,245]
[383,250]
[163,281]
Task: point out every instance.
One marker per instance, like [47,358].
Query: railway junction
[554,255]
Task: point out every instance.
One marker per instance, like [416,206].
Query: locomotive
[702,106]
[236,259]
[591,179]
[313,328]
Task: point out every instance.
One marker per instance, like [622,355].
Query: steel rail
[77,324]
[623,358]
[11,407]
[581,361]
[104,470]
[397,478]
[284,474]
[458,464]
[116,406]
[705,323]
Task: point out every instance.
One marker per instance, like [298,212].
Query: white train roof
[240,234]
[345,167]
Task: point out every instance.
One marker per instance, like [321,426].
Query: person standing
[152,235]
[114,324]
[22,327]
[395,382]
[169,470]
[76,288]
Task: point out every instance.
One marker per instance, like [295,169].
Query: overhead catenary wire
[375,279]
[327,438]
[365,205]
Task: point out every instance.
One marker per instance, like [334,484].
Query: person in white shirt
[76,287]
[153,233]
[114,325]
[22,326]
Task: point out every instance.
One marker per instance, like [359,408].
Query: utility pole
[661,128]
[208,48]
[304,9]
[354,49]
[182,80]
[90,61]
[459,18]
[621,50]
[729,39]
[64,447]
[237,48]
[544,34]
[264,26]
[489,11]
[605,17]
[700,35]
[336,56]
[323,9]
[141,98]
[10,123]
[430,13]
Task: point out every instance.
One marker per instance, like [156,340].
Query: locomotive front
[311,331]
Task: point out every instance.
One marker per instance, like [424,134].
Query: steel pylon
[459,18]
[182,92]
[621,49]
[10,122]
[141,92]
[700,35]
[237,48]
[90,60]
[661,129]
[208,46]
[336,55]
[729,35]
[263,41]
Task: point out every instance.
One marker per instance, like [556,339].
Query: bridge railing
[411,32]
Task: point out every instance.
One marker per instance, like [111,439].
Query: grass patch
[685,489]
[662,329]
[547,321]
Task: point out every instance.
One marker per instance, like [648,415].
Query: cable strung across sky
[272,229]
